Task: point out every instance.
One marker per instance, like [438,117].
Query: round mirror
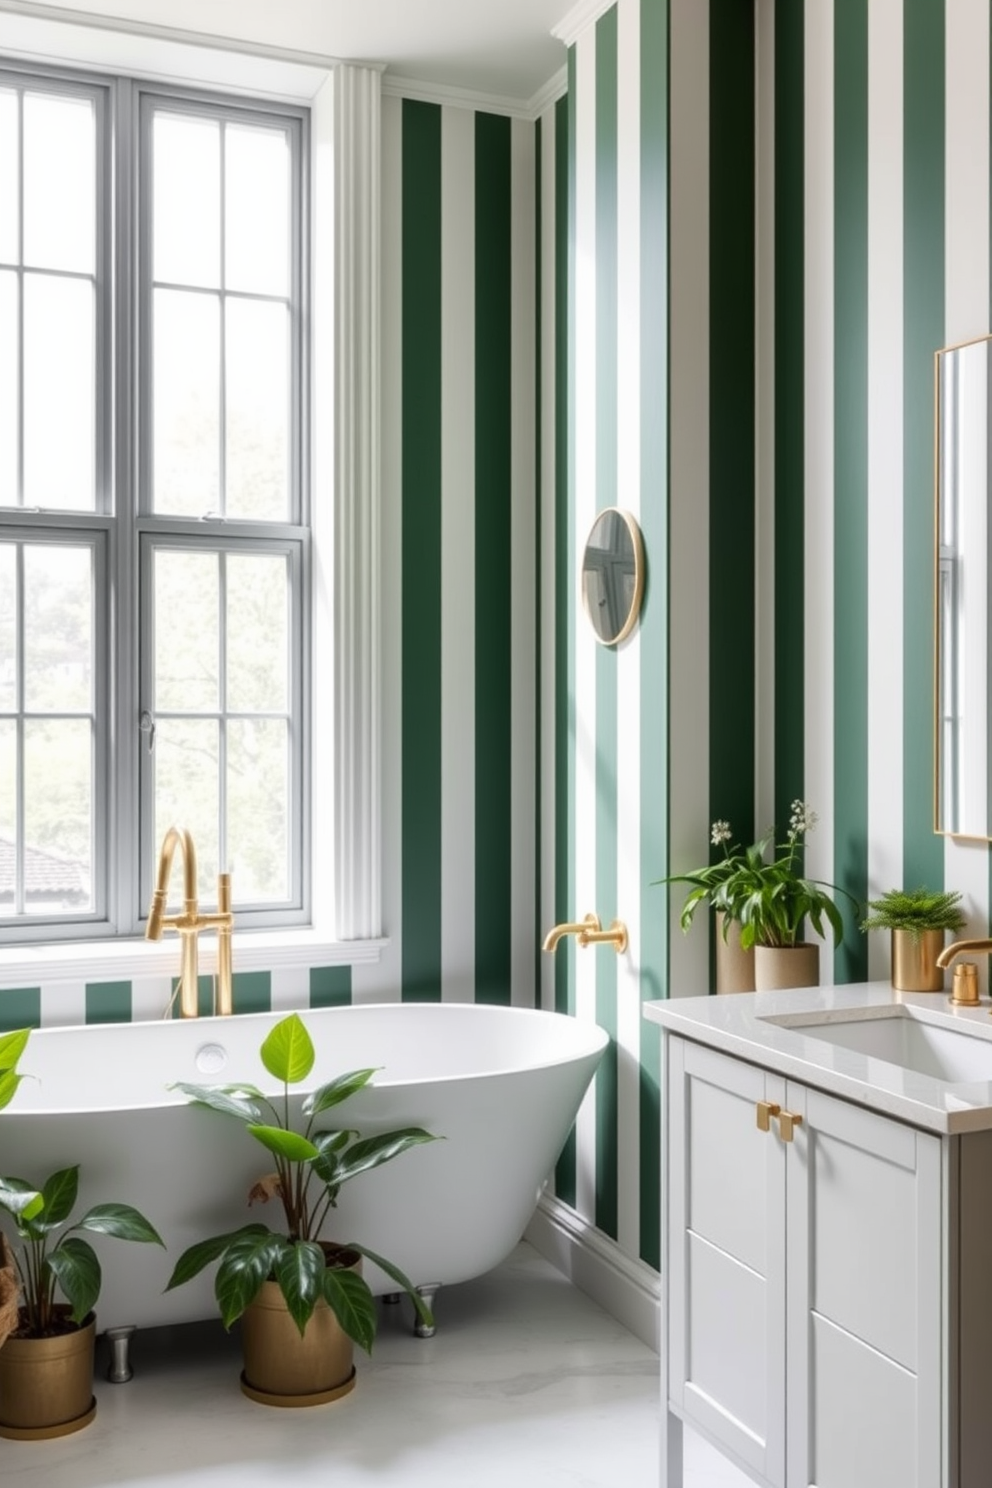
[613,575]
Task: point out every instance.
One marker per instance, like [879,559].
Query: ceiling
[503,48]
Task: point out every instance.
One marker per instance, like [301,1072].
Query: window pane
[257,410]
[187,775]
[58,629]
[257,181]
[58,814]
[8,629]
[59,393]
[186,403]
[258,808]
[257,633]
[8,177]
[59,183]
[8,811]
[10,400]
[186,600]
[186,200]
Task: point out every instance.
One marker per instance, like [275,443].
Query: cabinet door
[864,1299]
[726,1281]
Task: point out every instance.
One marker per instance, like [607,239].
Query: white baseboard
[628,1290]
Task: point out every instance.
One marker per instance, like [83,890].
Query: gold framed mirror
[963,551]
[613,575]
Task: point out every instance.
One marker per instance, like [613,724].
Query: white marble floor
[527,1383]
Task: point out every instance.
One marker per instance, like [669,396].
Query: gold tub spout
[589,932]
[190,923]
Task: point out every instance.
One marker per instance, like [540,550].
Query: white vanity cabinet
[820,1263]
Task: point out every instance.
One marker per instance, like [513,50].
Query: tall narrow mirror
[963,695]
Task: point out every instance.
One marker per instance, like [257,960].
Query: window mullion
[20,296]
[19,858]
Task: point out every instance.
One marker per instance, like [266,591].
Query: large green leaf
[349,1298]
[335,1091]
[217,1099]
[12,1046]
[287,1052]
[245,1265]
[372,1152]
[75,1267]
[329,1144]
[59,1194]
[400,1277]
[20,1199]
[193,1260]
[9,1081]
[288,1144]
[300,1273]
[120,1220]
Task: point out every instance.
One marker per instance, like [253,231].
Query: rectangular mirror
[963,696]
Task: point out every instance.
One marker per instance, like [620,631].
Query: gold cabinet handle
[765,1110]
[787,1123]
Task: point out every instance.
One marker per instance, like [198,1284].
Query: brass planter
[283,1368]
[779,968]
[914,961]
[46,1384]
[734,965]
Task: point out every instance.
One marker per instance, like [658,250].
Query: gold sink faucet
[191,922]
[965,989]
[589,932]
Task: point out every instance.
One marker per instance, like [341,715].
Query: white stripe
[149,998]
[966,305]
[689,569]
[523,567]
[628,905]
[548,539]
[764,473]
[885,460]
[63,1004]
[818,475]
[584,679]
[381,981]
[289,988]
[457,555]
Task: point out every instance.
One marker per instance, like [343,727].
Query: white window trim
[345,149]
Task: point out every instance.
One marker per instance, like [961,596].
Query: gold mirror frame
[612,576]
[962,600]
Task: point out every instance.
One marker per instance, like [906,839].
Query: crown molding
[397,86]
[556,87]
[579,17]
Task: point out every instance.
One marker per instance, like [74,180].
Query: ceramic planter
[734,965]
[777,968]
[46,1384]
[281,1367]
[914,961]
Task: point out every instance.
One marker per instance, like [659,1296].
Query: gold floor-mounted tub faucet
[190,923]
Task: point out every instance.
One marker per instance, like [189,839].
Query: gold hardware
[965,986]
[765,1111]
[958,946]
[589,932]
[787,1123]
[190,923]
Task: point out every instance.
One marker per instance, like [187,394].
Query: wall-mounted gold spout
[589,932]
[190,923]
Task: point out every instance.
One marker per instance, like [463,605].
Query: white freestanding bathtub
[501,1085]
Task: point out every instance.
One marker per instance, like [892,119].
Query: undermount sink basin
[899,1038]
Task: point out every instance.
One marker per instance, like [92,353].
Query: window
[154,540]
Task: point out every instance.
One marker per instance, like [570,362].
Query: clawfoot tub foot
[428,1292]
[120,1370]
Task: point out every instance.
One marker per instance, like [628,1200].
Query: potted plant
[46,1362]
[918,920]
[772,900]
[714,885]
[302,1299]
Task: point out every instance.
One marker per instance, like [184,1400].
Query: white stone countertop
[915,1056]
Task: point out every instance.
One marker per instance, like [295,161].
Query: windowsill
[131,959]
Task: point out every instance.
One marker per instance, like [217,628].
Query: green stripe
[850,680]
[252,991]
[923,334]
[493,618]
[421,551]
[539,566]
[565,1172]
[20,1007]
[330,986]
[731,442]
[607,1155]
[790,415]
[654,625]
[108,1002]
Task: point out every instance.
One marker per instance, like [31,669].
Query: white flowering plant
[772,900]
[715,884]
